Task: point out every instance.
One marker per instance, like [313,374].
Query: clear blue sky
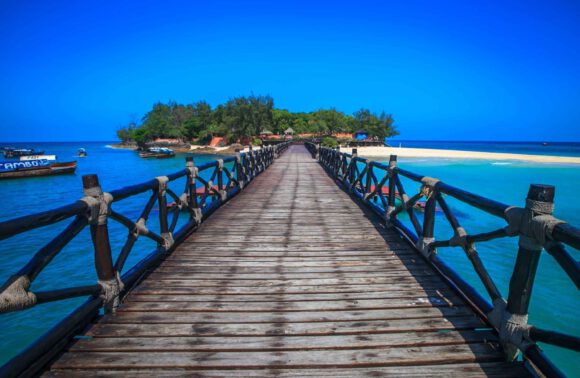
[459,70]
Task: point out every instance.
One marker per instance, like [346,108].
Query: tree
[380,127]
[200,120]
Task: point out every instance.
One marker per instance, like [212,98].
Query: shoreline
[385,152]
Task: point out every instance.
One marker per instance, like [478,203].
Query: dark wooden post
[368,182]
[539,201]
[162,182]
[427,237]
[392,186]
[220,181]
[351,176]
[240,169]
[106,274]
[192,185]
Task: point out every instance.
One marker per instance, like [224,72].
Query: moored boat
[157,152]
[32,168]
[10,152]
[37,157]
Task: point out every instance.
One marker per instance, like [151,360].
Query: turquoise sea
[555,300]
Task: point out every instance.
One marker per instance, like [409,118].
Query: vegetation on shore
[246,117]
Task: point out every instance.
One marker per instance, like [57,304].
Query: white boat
[37,157]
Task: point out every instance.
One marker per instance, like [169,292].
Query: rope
[540,206]
[459,239]
[428,187]
[423,246]
[515,330]
[110,291]
[167,240]
[162,180]
[16,296]
[100,206]
[534,231]
[182,201]
[140,228]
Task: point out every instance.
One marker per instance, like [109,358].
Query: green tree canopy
[246,117]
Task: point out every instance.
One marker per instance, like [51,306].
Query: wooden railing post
[539,201]
[223,193]
[351,173]
[100,204]
[368,182]
[167,236]
[241,176]
[429,190]
[192,185]
[392,172]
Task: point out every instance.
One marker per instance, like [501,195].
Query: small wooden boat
[157,152]
[82,152]
[37,157]
[10,152]
[34,168]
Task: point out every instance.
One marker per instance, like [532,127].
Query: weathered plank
[299,359]
[469,370]
[273,343]
[184,317]
[284,328]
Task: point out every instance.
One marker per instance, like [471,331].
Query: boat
[37,157]
[82,152]
[32,168]
[157,152]
[10,152]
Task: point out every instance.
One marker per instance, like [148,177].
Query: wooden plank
[272,343]
[298,359]
[180,303]
[346,315]
[253,289]
[285,329]
[435,281]
[380,292]
[169,295]
[468,370]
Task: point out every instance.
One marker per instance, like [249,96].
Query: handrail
[222,179]
[379,187]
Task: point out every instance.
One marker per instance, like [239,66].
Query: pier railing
[379,186]
[206,187]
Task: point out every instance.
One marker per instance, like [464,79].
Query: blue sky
[451,70]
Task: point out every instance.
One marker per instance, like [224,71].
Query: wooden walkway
[291,278]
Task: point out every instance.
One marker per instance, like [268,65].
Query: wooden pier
[289,264]
[291,278]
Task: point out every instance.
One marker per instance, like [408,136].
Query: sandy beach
[384,152]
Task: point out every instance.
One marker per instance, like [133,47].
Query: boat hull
[53,169]
[147,155]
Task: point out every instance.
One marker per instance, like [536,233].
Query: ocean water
[555,301]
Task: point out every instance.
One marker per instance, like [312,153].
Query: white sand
[454,154]
[219,149]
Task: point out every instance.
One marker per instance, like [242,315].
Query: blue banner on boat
[6,166]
